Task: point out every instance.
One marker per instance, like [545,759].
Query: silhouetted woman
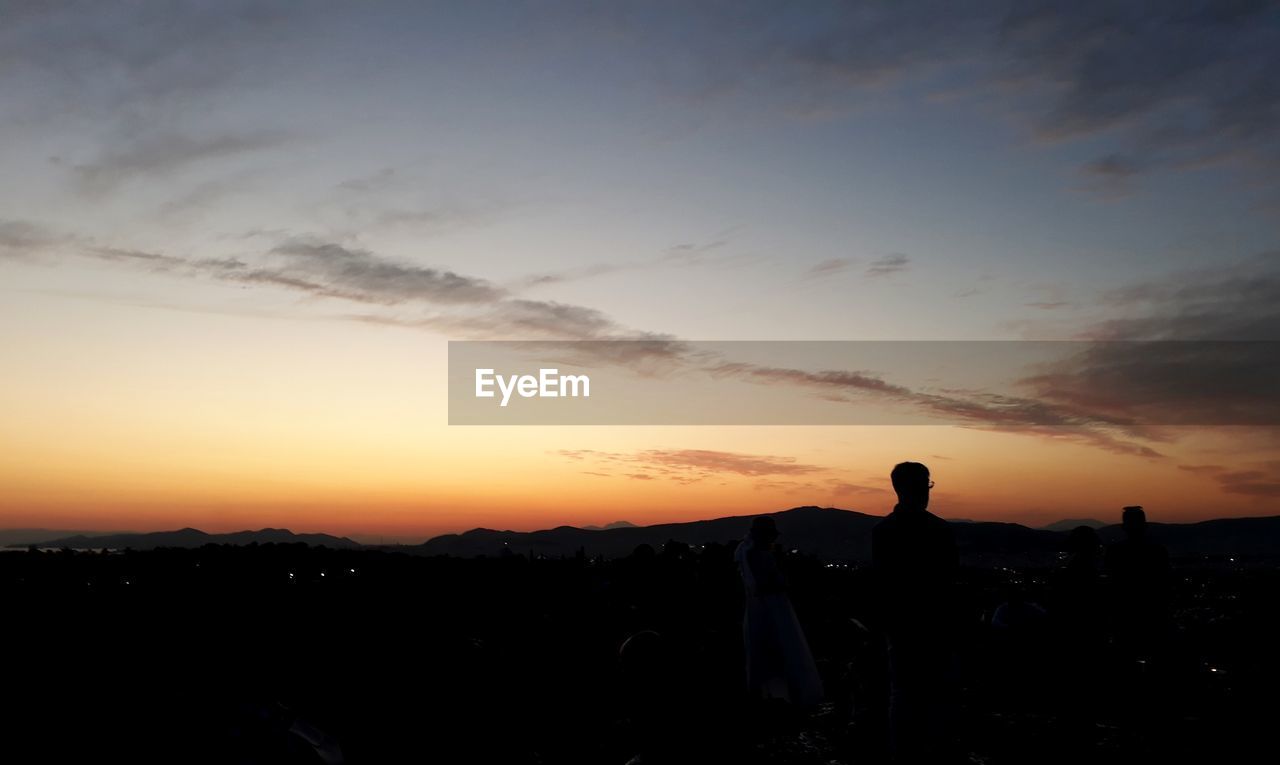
[1079,602]
[779,663]
[1079,611]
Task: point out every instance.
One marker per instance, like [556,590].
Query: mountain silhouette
[827,532]
[1221,536]
[189,537]
[24,537]
[1067,524]
[839,535]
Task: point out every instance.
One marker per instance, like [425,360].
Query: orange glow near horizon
[519,479]
[258,425]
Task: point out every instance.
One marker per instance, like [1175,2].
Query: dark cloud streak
[889,264]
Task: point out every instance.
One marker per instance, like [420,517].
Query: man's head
[911,482]
[1134,521]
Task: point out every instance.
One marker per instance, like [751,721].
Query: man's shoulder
[887,524]
[937,524]
[914,520]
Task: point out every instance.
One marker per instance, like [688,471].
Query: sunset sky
[235,239]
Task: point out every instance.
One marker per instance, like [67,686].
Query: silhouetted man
[1140,580]
[914,557]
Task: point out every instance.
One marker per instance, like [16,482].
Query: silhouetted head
[1084,541]
[643,651]
[643,552]
[1134,521]
[645,664]
[911,482]
[764,530]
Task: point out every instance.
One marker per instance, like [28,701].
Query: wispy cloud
[1090,399]
[202,196]
[24,239]
[1263,483]
[889,264]
[841,488]
[976,409]
[1239,301]
[1169,86]
[160,154]
[105,61]
[885,265]
[689,465]
[361,275]
[702,460]
[428,298]
[1112,174]
[1260,480]
[685,255]
[686,466]
[151,259]
[830,267]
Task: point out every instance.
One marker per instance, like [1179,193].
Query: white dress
[779,663]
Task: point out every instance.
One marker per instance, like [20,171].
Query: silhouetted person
[1140,583]
[1019,634]
[779,662]
[1078,583]
[1140,580]
[654,710]
[1079,616]
[914,559]
[1078,599]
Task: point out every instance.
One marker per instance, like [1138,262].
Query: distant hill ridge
[24,537]
[189,537]
[845,535]
[827,532]
[1067,524]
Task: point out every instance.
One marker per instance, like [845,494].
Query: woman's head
[1084,540]
[763,529]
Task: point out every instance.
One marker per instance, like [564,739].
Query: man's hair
[1133,513]
[908,476]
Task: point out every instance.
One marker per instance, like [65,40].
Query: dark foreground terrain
[288,653]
